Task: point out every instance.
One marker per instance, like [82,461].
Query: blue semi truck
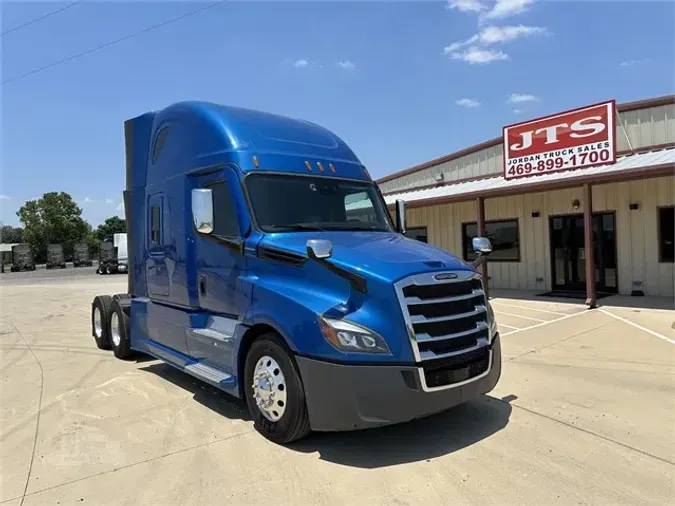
[263,260]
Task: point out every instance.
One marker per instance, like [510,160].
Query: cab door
[220,260]
[220,266]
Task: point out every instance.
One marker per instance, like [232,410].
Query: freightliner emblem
[445,275]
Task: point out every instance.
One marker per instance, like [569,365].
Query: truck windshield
[286,203]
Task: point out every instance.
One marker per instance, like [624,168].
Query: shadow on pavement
[414,441]
[203,393]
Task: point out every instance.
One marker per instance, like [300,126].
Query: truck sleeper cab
[263,260]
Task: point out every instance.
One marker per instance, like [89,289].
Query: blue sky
[401,82]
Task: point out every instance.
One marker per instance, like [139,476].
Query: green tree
[112,225]
[10,235]
[54,218]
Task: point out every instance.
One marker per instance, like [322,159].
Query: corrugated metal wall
[645,127]
[636,232]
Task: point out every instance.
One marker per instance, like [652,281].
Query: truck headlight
[348,337]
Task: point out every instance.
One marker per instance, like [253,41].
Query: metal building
[610,223]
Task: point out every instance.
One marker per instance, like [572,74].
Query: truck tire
[100,320]
[109,269]
[119,331]
[277,400]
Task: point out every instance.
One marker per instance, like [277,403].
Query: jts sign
[570,140]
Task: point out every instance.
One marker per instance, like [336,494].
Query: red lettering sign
[570,140]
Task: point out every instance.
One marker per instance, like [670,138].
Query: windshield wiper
[357,226]
[295,227]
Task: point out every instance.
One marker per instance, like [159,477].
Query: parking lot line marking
[520,316]
[543,323]
[508,326]
[649,331]
[531,308]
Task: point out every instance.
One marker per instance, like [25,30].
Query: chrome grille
[445,317]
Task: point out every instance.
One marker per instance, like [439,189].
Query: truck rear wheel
[274,391]
[119,331]
[100,320]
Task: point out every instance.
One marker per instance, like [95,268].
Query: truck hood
[383,255]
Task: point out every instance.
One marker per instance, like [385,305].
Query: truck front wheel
[274,391]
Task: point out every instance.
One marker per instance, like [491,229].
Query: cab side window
[224,211]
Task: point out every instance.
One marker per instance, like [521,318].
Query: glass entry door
[568,253]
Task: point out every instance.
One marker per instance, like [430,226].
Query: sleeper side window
[224,211]
[160,142]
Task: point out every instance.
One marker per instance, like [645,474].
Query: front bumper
[352,397]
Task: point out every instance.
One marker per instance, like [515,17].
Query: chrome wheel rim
[98,326]
[269,388]
[115,329]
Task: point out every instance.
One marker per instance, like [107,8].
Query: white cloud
[88,200]
[630,63]
[455,46]
[5,197]
[467,102]
[507,8]
[466,5]
[345,65]
[500,34]
[496,35]
[475,55]
[108,201]
[517,98]
[300,63]
[517,111]
[120,207]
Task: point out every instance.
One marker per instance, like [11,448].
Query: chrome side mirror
[319,249]
[202,210]
[481,245]
[400,216]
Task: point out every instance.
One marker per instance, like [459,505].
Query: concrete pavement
[584,414]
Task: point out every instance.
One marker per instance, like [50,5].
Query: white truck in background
[114,258]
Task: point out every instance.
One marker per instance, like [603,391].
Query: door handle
[202,284]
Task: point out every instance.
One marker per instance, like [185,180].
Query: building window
[160,141]
[504,236]
[224,211]
[155,238]
[418,233]
[666,234]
